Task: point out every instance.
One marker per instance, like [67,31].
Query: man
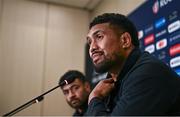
[137,83]
[76,90]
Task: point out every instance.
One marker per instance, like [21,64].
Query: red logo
[155,7]
[161,44]
[174,50]
[149,39]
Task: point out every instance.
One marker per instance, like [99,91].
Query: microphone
[33,101]
[40,97]
[67,81]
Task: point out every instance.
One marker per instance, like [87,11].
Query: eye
[75,88]
[99,36]
[88,41]
[65,92]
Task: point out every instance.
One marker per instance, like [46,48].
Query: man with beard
[76,90]
[137,83]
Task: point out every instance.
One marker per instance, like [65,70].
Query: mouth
[96,57]
[75,101]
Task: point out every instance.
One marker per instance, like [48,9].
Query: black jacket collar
[77,113]
[130,62]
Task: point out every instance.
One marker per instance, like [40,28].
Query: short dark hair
[119,20]
[70,76]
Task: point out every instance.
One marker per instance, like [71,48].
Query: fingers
[109,80]
[108,84]
[102,89]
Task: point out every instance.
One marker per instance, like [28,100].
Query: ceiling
[83,4]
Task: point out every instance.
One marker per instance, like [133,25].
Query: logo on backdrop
[175,62]
[159,4]
[161,44]
[155,7]
[174,50]
[149,39]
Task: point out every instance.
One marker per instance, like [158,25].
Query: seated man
[76,90]
[137,83]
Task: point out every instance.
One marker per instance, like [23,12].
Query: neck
[80,110]
[114,72]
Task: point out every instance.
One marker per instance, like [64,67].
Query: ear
[87,87]
[126,40]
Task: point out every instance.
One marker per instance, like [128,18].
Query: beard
[79,103]
[104,66]
[75,104]
[108,63]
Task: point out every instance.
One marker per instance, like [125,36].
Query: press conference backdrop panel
[158,25]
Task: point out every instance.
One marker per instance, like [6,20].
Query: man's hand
[102,89]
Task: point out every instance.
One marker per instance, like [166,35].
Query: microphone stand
[33,101]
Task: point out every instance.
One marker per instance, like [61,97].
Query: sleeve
[145,91]
[97,107]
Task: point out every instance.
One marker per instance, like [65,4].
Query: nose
[93,47]
[71,94]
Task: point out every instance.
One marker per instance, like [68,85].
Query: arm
[102,89]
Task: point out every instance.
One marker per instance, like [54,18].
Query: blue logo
[159,23]
[177,71]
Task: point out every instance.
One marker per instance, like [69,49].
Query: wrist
[93,95]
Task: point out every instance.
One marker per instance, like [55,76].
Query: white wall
[38,43]
[0,40]
[1,89]
[22,45]
[116,6]
[65,48]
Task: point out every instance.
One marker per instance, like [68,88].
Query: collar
[77,113]
[130,62]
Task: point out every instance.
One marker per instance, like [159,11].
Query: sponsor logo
[150,48]
[161,44]
[177,71]
[174,37]
[159,23]
[160,33]
[149,39]
[174,26]
[140,34]
[174,50]
[149,29]
[159,4]
[173,16]
[175,62]
[155,7]
[162,55]
[164,2]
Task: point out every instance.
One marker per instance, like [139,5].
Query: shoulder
[150,65]
[149,71]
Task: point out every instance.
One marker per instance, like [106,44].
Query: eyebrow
[94,33]
[71,86]
[97,32]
